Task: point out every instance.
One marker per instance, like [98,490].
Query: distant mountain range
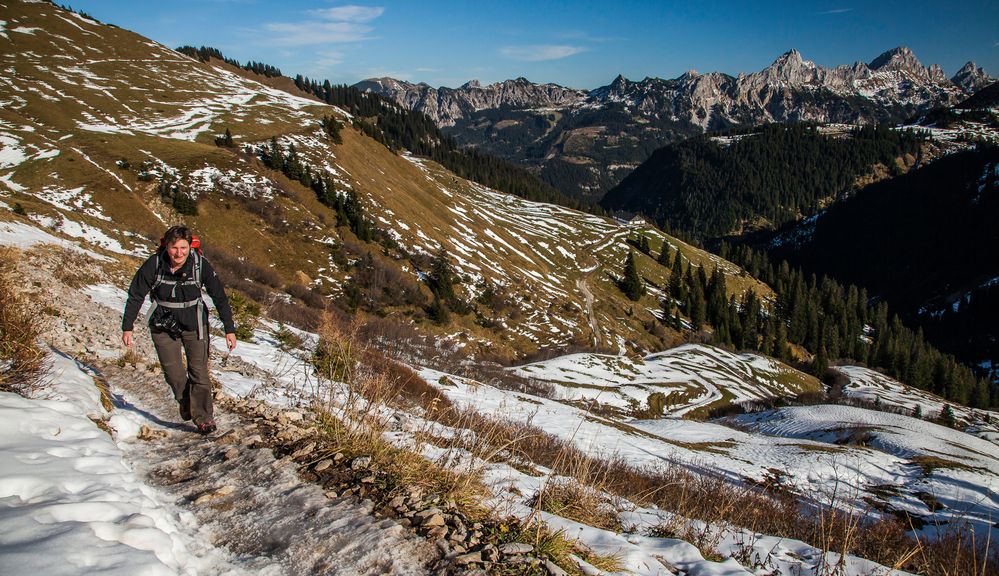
[585,141]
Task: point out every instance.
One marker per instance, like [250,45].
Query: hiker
[178,320]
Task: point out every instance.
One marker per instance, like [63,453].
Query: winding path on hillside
[588,297]
[584,287]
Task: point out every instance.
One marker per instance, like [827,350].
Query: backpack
[195,279]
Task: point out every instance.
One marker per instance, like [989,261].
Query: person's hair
[175,233]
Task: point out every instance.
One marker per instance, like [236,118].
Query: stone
[323,465]
[230,453]
[435,513]
[490,553]
[360,462]
[443,546]
[214,495]
[553,569]
[304,450]
[251,440]
[515,548]
[290,416]
[470,558]
[147,433]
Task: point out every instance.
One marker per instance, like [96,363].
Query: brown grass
[22,360]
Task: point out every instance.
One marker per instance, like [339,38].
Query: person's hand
[126,338]
[230,340]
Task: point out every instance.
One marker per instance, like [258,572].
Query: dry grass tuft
[22,360]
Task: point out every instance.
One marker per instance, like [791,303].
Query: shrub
[287,339]
[244,313]
[232,269]
[22,360]
[311,298]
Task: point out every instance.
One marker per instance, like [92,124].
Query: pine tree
[697,307]
[676,279]
[947,416]
[820,365]
[663,258]
[442,280]
[438,312]
[631,284]
[274,158]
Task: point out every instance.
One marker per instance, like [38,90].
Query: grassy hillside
[107,134]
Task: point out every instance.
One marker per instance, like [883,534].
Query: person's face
[178,252]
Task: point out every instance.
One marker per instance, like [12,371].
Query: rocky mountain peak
[790,68]
[470,85]
[901,59]
[972,78]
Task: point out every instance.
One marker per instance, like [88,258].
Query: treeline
[205,53]
[345,204]
[704,189]
[826,318]
[401,129]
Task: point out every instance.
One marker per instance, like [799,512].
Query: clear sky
[581,44]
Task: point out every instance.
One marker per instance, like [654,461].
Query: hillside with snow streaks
[890,394]
[820,467]
[960,471]
[101,143]
[692,377]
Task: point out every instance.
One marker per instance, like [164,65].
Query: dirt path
[588,296]
[584,287]
[249,503]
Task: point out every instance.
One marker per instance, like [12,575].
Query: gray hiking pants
[192,388]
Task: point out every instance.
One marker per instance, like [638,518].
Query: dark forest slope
[927,242]
[705,189]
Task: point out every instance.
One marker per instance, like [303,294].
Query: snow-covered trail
[243,500]
[75,500]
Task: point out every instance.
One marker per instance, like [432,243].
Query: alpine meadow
[710,325]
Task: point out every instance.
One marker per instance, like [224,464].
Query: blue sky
[580,44]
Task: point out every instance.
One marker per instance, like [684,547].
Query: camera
[164,321]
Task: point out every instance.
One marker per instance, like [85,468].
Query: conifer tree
[631,284]
[663,258]
[947,416]
[274,158]
[442,280]
[820,365]
[438,312]
[697,309]
[292,165]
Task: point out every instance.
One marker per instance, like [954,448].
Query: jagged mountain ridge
[585,142]
[895,78]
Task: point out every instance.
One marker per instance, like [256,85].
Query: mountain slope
[710,187]
[106,135]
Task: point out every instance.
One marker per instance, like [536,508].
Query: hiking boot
[185,411]
[207,427]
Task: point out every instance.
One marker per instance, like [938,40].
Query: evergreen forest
[703,189]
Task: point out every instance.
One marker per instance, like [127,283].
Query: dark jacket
[143,281]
